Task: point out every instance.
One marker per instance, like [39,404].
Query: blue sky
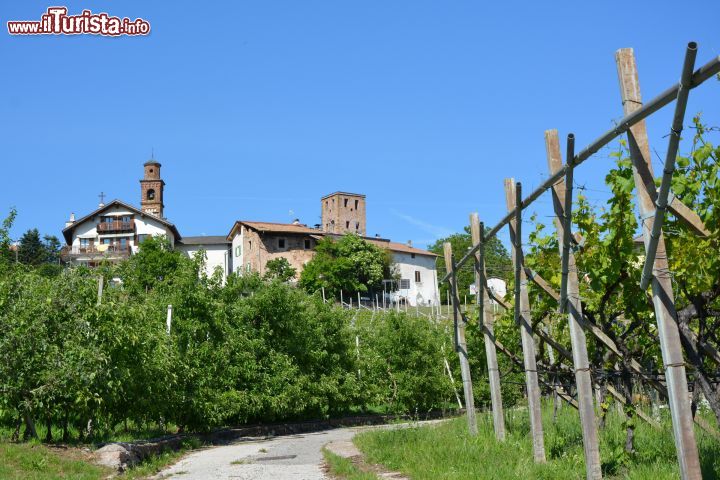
[257,109]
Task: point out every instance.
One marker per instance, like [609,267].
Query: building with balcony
[115,231]
[112,232]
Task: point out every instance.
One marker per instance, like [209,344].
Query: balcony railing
[95,250]
[116,226]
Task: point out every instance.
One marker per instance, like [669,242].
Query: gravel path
[290,457]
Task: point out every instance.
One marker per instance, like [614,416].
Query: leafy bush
[246,350]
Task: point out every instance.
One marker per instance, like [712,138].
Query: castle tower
[151,189]
[343,212]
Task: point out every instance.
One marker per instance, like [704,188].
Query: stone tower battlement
[343,212]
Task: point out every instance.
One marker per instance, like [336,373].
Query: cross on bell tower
[151,189]
[102,199]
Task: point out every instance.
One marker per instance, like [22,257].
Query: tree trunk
[602,405]
[66,434]
[30,431]
[556,399]
[629,411]
[48,434]
[695,398]
[90,429]
[16,433]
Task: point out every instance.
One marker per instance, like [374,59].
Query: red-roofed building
[253,244]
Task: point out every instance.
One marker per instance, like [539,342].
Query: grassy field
[36,461]
[33,461]
[446,451]
[343,468]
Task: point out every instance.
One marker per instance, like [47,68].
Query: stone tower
[343,212]
[151,189]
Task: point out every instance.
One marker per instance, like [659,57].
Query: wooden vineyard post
[578,341]
[662,292]
[168,320]
[523,320]
[486,319]
[101,282]
[460,344]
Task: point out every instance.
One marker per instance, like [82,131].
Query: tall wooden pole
[168,321]
[663,299]
[486,319]
[513,199]
[460,343]
[583,379]
[101,282]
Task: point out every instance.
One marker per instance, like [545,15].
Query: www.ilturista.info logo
[57,22]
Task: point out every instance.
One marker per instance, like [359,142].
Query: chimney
[377,235]
[409,243]
[71,220]
[296,221]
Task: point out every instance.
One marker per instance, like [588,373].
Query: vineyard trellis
[653,205]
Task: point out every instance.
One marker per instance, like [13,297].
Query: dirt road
[291,457]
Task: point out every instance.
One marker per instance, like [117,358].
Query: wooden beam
[486,319]
[663,297]
[460,344]
[583,380]
[522,318]
[540,282]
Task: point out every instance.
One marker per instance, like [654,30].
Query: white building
[217,252]
[112,232]
[416,268]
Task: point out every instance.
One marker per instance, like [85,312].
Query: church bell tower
[151,189]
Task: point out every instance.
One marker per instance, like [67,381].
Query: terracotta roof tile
[279,227]
[401,247]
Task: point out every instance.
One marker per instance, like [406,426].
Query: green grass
[446,451]
[35,461]
[343,468]
[151,466]
[32,461]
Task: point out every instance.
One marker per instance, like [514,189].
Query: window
[142,237]
[417,276]
[238,250]
[84,242]
[345,203]
[123,243]
[151,194]
[356,204]
[347,224]
[404,284]
[106,241]
[412,255]
[247,267]
[357,225]
[249,244]
[281,243]
[307,244]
